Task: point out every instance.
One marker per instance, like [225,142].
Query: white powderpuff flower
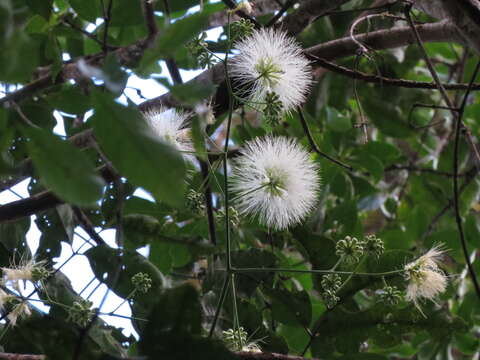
[19,311]
[14,274]
[271,61]
[426,279]
[26,270]
[4,298]
[170,125]
[275,180]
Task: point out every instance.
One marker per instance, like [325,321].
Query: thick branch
[262,7]
[39,202]
[125,55]
[377,40]
[10,356]
[268,356]
[385,81]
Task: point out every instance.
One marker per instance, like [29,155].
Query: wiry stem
[314,146]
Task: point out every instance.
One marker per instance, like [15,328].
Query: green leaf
[88,10]
[384,151]
[177,5]
[70,99]
[291,308]
[126,12]
[337,121]
[63,168]
[43,8]
[192,93]
[142,157]
[385,114]
[252,258]
[19,57]
[175,37]
[115,267]
[12,236]
[174,326]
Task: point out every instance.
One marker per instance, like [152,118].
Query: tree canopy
[312,193]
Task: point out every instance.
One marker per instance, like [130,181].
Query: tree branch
[339,48]
[308,11]
[11,356]
[232,5]
[384,81]
[268,356]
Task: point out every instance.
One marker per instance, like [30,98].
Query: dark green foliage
[54,66]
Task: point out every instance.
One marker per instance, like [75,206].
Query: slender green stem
[353,273]
[122,316]
[223,294]
[123,302]
[46,302]
[339,261]
[236,320]
[225,150]
[253,270]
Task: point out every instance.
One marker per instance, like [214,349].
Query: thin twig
[232,6]
[171,64]
[355,74]
[458,126]
[87,225]
[440,86]
[314,146]
[280,13]
[208,203]
[456,195]
[86,33]
[423,170]
[149,13]
[107,14]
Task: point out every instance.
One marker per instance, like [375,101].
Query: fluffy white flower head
[26,270]
[271,61]
[170,126]
[426,279]
[275,180]
[4,298]
[19,311]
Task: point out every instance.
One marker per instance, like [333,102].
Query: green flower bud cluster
[390,295]
[40,273]
[198,49]
[330,298]
[331,283]
[235,339]
[142,282]
[233,216]
[241,29]
[350,249]
[273,109]
[81,313]
[195,201]
[373,246]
